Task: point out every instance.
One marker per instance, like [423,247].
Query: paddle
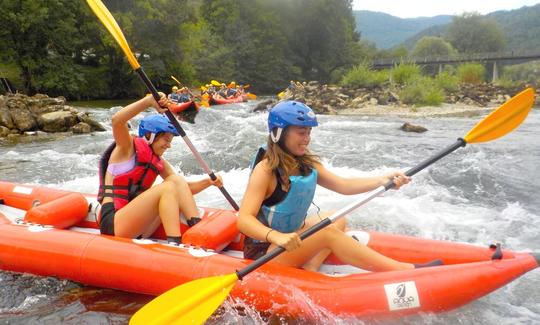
[177,81]
[195,301]
[110,23]
[251,96]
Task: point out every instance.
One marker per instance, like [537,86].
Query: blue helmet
[155,124]
[291,113]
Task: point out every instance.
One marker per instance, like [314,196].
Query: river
[480,194]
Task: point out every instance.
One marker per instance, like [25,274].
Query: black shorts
[254,249]
[106,223]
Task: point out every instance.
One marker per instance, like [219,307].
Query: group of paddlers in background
[212,93]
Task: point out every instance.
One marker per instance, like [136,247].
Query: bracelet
[268,233]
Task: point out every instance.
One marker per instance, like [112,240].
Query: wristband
[268,233]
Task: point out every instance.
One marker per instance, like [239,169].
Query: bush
[509,84]
[403,73]
[471,73]
[362,76]
[433,47]
[422,91]
[527,72]
[447,82]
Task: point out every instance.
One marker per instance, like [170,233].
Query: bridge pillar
[495,72]
[440,68]
[5,84]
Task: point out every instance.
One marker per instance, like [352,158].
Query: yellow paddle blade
[247,86]
[251,96]
[281,94]
[190,303]
[504,119]
[178,82]
[108,21]
[215,83]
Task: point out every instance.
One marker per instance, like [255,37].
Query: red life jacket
[128,185]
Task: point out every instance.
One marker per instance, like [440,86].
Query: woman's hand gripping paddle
[195,301]
[110,23]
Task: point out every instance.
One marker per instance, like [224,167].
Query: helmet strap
[275,138]
[152,138]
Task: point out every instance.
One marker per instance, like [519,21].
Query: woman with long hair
[281,189]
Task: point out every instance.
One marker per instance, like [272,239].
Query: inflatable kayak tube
[51,232]
[218,100]
[190,106]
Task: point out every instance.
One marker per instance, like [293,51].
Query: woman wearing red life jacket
[131,206]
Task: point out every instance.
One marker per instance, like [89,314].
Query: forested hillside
[521,29]
[59,47]
[387,31]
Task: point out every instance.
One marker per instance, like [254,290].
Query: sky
[430,8]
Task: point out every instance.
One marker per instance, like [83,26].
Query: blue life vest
[183,98]
[289,214]
[174,97]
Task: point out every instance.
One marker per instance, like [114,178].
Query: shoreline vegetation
[407,90]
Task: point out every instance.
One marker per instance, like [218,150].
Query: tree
[42,38]
[321,36]
[399,52]
[245,43]
[473,33]
[431,46]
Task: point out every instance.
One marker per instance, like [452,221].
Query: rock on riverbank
[329,99]
[20,113]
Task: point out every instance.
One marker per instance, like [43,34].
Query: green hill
[387,31]
[520,26]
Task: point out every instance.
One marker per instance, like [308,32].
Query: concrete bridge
[492,58]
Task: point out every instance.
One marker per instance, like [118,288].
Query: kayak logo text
[402,295]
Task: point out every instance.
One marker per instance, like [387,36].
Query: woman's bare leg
[344,247]
[185,197]
[152,228]
[160,201]
[315,263]
[158,204]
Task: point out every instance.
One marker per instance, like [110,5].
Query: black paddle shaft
[278,250]
[327,221]
[458,144]
[184,136]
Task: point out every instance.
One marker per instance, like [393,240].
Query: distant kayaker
[211,89]
[185,95]
[222,90]
[281,189]
[292,85]
[131,206]
[174,96]
[231,90]
[239,90]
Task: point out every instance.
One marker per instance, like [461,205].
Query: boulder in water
[408,127]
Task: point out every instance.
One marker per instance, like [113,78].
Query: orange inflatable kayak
[190,106]
[51,232]
[218,100]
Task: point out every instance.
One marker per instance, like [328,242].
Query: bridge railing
[458,58]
